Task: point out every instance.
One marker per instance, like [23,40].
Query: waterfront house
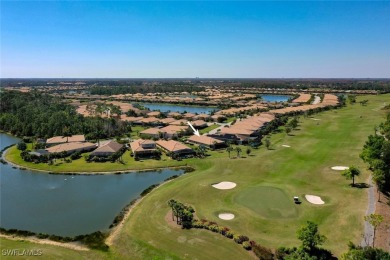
[107,149]
[143,148]
[61,139]
[174,148]
[71,147]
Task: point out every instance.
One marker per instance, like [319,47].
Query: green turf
[304,168]
[208,129]
[269,202]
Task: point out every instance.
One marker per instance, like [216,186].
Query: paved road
[368,237]
[316,100]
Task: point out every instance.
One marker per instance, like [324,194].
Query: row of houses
[149,148]
[246,129]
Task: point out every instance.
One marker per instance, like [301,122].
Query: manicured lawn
[336,138]
[208,129]
[230,119]
[268,202]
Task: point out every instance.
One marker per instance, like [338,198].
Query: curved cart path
[368,229]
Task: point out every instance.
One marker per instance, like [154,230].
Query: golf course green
[269,202]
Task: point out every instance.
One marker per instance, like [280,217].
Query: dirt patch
[71,245]
[171,223]
[382,238]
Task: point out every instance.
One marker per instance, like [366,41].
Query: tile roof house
[179,122]
[189,115]
[199,123]
[171,131]
[60,139]
[151,133]
[107,149]
[175,148]
[71,147]
[153,114]
[206,140]
[248,128]
[175,114]
[167,120]
[142,147]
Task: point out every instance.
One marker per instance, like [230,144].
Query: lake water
[179,108]
[275,98]
[67,205]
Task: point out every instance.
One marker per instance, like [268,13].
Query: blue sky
[256,39]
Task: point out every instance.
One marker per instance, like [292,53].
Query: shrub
[229,234]
[21,146]
[76,155]
[246,245]
[262,252]
[237,239]
[214,228]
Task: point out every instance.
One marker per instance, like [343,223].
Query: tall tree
[229,149]
[375,220]
[351,173]
[310,236]
[238,150]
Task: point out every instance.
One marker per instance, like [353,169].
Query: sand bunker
[340,168]
[226,216]
[316,119]
[285,145]
[314,199]
[225,185]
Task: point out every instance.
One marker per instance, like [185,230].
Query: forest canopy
[42,115]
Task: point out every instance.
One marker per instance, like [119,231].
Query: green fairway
[336,138]
[269,202]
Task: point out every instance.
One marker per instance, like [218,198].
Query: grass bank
[335,138]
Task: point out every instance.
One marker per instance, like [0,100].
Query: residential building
[174,148]
[107,149]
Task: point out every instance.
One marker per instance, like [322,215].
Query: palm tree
[66,133]
[238,150]
[229,149]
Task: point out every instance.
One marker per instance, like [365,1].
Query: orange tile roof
[204,139]
[61,139]
[172,146]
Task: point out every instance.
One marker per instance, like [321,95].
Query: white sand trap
[285,145]
[340,168]
[315,119]
[314,199]
[226,216]
[225,185]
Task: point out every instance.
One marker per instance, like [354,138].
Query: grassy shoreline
[335,139]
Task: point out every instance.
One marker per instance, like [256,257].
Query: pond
[179,108]
[67,205]
[275,98]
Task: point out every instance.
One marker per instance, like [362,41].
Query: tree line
[36,114]
[376,152]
